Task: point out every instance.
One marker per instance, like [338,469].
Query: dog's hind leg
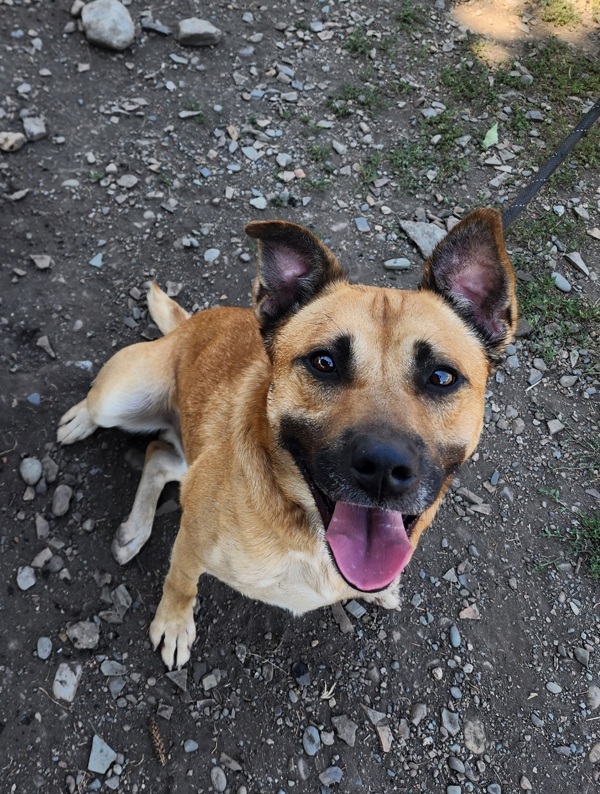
[133,391]
[163,464]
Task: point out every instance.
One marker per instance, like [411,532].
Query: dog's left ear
[471,270]
[294,266]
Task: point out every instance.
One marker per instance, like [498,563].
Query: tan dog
[315,436]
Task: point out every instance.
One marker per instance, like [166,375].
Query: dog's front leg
[174,623]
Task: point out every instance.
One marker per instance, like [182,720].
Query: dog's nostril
[365,466]
[402,473]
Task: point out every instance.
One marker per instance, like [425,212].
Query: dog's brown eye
[323,363]
[442,378]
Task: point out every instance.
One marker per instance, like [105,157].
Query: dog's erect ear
[294,266]
[470,269]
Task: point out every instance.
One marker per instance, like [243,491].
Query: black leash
[551,165]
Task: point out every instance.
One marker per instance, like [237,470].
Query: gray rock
[594,755]
[101,756]
[218,778]
[555,426]
[424,235]
[25,577]
[35,128]
[127,181]
[535,376]
[456,765]
[110,667]
[66,681]
[345,729]
[311,741]
[418,713]
[190,746]
[84,635]
[475,739]
[454,637]
[211,254]
[518,426]
[42,527]
[49,469]
[61,500]
[561,282]
[331,775]
[568,380]
[108,23]
[283,160]
[259,203]
[575,259]
[30,470]
[397,264]
[553,687]
[453,790]
[250,152]
[593,697]
[11,141]
[450,721]
[582,656]
[194,32]
[44,647]
[362,224]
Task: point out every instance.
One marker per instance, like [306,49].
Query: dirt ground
[488,679]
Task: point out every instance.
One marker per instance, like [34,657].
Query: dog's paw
[75,425]
[128,541]
[177,633]
[388,599]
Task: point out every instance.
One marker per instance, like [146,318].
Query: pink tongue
[370,545]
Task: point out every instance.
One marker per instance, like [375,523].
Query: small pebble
[30,470]
[311,741]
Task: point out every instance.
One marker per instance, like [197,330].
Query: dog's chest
[295,581]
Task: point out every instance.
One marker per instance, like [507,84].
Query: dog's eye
[442,378]
[323,363]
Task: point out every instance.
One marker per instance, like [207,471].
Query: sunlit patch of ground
[509,25]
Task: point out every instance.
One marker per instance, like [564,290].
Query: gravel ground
[117,167]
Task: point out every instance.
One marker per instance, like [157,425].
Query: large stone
[101,756]
[196,32]
[424,235]
[66,681]
[11,141]
[84,635]
[108,23]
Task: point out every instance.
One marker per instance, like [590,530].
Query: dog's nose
[383,468]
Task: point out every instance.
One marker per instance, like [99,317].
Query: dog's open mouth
[370,545]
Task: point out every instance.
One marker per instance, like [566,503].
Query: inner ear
[294,266]
[470,269]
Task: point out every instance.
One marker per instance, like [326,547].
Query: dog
[315,435]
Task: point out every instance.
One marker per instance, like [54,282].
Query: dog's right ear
[294,266]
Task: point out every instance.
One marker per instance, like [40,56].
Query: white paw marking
[177,634]
[75,425]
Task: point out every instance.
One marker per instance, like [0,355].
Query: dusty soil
[505,706]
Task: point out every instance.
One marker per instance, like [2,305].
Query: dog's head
[378,394]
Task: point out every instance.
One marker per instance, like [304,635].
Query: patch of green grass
[195,106]
[370,166]
[95,176]
[410,16]
[321,154]
[559,71]
[559,12]
[286,114]
[467,84]
[165,178]
[583,539]
[365,96]
[358,43]
[320,184]
[541,303]
[587,542]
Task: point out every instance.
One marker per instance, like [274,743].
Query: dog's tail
[167,314]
